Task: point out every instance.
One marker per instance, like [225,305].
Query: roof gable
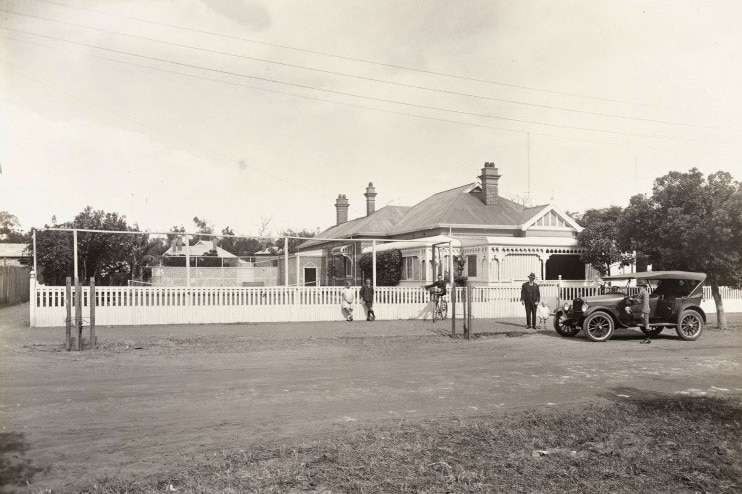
[551,218]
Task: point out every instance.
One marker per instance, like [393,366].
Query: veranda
[139,305]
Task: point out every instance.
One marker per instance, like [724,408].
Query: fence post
[468,310]
[91,301]
[32,299]
[78,313]
[68,319]
[453,310]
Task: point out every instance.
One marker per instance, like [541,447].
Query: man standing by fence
[367,295]
[530,296]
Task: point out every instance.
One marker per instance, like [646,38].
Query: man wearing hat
[642,299]
[530,297]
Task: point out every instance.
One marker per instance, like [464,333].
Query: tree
[9,229]
[294,243]
[106,257]
[692,223]
[203,226]
[240,246]
[599,238]
[388,267]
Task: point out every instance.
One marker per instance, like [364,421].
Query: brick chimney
[489,178]
[341,205]
[370,198]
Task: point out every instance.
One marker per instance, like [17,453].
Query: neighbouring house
[15,255]
[209,265]
[493,239]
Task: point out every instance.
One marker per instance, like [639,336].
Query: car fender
[695,308]
[590,310]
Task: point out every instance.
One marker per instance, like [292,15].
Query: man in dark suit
[530,297]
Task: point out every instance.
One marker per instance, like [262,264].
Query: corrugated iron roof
[14,250]
[463,205]
[200,248]
[378,223]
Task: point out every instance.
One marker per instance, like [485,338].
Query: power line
[343,93]
[343,103]
[365,78]
[342,57]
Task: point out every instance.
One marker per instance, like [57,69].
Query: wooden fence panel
[14,285]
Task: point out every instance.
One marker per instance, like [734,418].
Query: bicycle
[440,306]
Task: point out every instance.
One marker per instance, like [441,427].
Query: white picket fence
[135,305]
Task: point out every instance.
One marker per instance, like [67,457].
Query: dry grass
[653,444]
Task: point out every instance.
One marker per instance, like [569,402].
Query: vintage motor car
[674,300]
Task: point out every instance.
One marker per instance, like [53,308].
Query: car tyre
[690,325]
[599,326]
[564,329]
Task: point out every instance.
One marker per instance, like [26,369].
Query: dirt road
[151,398]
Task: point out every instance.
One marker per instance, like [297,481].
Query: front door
[310,276]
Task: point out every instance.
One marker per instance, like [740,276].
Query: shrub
[388,267]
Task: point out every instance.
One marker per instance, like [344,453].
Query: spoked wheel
[690,325]
[563,325]
[598,326]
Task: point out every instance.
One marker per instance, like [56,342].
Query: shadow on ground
[656,401]
[15,469]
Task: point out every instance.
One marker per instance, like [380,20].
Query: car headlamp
[585,306]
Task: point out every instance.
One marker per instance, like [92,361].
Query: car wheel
[598,326]
[563,326]
[651,333]
[690,325]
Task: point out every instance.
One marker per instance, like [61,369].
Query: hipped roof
[377,224]
[201,248]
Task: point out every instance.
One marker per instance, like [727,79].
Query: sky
[249,113]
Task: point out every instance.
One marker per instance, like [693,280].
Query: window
[408,272]
[471,264]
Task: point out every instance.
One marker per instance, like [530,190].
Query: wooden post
[32,299]
[35,266]
[68,320]
[468,310]
[286,261]
[373,264]
[453,310]
[78,313]
[91,301]
[74,256]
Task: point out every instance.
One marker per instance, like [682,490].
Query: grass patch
[656,444]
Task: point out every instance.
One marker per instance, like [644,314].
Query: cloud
[245,12]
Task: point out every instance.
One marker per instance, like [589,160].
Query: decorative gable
[552,217]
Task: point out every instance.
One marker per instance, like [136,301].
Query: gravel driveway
[151,398]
